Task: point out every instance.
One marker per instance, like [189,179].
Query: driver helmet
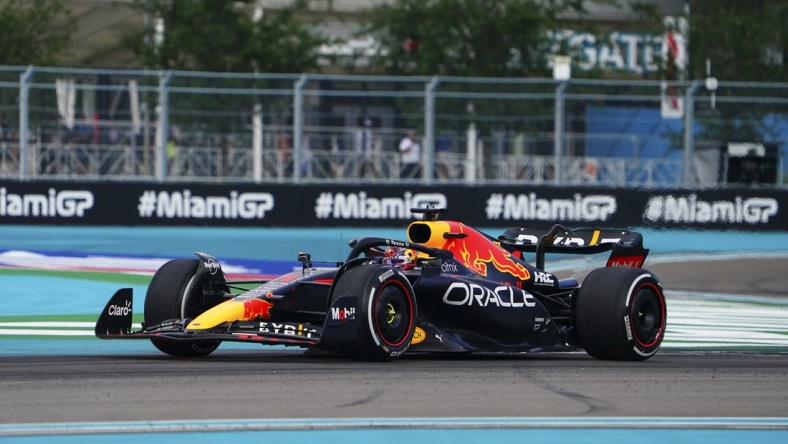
[399,257]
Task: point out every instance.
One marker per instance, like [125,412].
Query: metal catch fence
[64,123]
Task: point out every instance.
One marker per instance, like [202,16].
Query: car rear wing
[626,246]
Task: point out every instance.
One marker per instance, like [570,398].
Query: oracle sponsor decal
[461,293]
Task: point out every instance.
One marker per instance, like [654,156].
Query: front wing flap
[115,322]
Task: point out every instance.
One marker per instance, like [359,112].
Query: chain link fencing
[169,126]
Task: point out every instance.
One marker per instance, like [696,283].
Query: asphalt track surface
[288,384]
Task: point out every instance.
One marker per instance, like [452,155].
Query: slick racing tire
[175,292]
[621,314]
[385,313]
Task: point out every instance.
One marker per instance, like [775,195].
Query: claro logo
[690,209]
[119,310]
[63,203]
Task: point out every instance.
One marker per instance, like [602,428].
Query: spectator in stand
[410,156]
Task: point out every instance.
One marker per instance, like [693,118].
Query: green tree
[466,37]
[34,32]
[743,41]
[223,35]
[746,41]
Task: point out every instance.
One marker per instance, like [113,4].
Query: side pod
[115,319]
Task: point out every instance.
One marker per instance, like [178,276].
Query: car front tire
[175,292]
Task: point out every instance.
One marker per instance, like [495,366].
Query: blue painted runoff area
[49,295]
[413,430]
[437,436]
[328,244]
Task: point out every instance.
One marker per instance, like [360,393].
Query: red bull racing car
[448,288]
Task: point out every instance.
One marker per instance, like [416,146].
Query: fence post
[162,132]
[687,179]
[470,158]
[558,136]
[257,143]
[298,125]
[429,129]
[24,121]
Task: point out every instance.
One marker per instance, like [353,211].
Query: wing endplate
[115,319]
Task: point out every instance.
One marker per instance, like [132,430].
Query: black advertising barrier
[127,203]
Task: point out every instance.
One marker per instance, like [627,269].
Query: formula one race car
[449,288]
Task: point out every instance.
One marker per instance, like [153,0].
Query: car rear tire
[175,292]
[385,313]
[621,314]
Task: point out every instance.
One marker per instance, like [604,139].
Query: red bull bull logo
[256,309]
[501,260]
[469,246]
[478,253]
